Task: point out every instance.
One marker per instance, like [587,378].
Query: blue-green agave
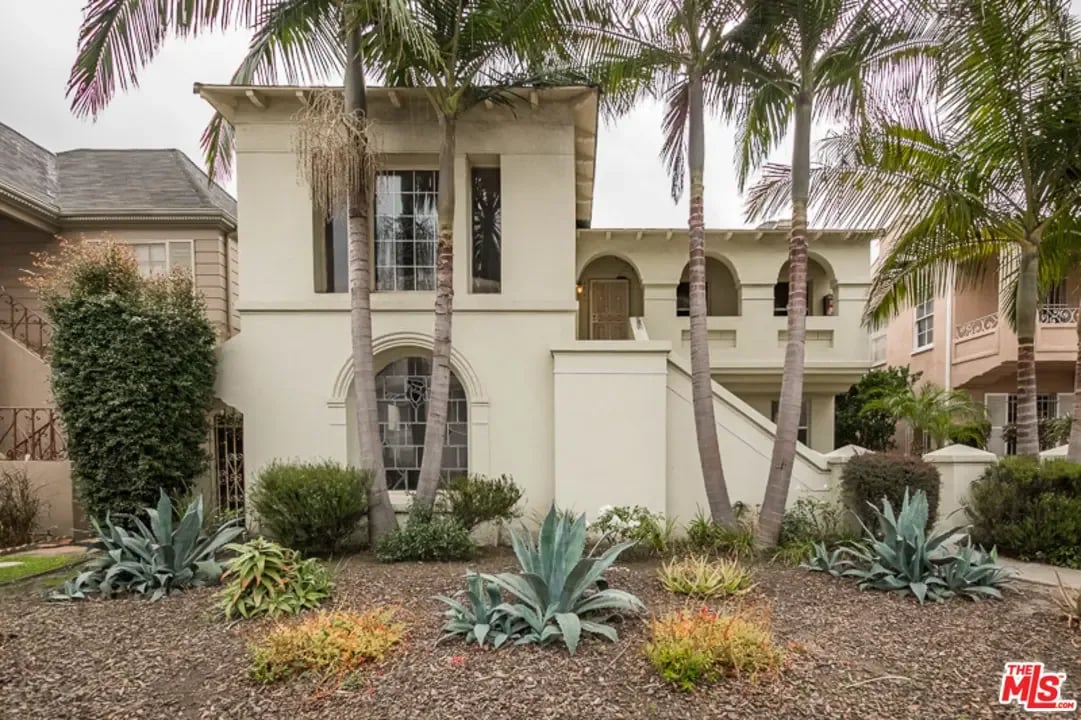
[479,618]
[157,559]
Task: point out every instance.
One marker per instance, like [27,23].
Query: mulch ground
[860,655]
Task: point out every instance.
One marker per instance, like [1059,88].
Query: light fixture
[579,289]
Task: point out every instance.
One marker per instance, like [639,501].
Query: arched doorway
[609,295]
[821,290]
[402,391]
[722,290]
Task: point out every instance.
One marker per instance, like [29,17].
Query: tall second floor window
[158,258]
[487,230]
[406,230]
[924,324]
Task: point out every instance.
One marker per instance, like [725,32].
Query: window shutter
[180,254]
[1065,404]
[997,410]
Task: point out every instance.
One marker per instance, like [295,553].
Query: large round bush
[870,477]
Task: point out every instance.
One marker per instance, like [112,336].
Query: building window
[402,394]
[1047,408]
[406,230]
[683,299]
[924,324]
[158,258]
[487,222]
[803,433]
[335,256]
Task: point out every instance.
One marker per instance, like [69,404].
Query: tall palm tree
[991,177]
[824,60]
[693,55]
[486,51]
[300,42]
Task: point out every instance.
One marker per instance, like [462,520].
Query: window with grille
[406,230]
[924,324]
[402,393]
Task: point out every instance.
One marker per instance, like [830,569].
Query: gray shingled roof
[96,182]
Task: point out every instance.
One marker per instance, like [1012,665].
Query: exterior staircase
[25,326]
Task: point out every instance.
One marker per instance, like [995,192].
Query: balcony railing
[26,326]
[1058,314]
[31,434]
[979,326]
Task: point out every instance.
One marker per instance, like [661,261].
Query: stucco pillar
[959,466]
[821,422]
[659,300]
[837,460]
[756,299]
[610,421]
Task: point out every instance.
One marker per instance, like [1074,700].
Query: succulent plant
[834,562]
[266,578]
[157,559]
[702,577]
[479,619]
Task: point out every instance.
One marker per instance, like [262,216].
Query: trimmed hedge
[870,477]
[313,507]
[1029,509]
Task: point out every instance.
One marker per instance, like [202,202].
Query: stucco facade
[578,419]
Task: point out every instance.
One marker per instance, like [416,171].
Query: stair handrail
[25,326]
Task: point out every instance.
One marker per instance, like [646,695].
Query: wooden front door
[609,309]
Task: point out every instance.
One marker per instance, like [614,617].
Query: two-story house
[159,203]
[570,344]
[961,339]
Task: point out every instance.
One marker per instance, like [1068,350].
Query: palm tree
[991,178]
[486,51]
[692,54]
[945,416]
[300,42]
[822,60]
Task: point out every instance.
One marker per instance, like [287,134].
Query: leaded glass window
[402,391]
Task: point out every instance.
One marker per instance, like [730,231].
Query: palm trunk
[381,520]
[1028,440]
[1073,454]
[705,424]
[791,400]
[436,424]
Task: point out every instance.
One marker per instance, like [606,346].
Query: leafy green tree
[874,429]
[824,60]
[298,42]
[944,416]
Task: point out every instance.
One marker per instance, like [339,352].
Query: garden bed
[851,654]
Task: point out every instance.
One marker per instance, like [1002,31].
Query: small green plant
[265,578]
[870,477]
[702,577]
[690,648]
[1068,603]
[159,559]
[20,508]
[312,506]
[650,533]
[481,618]
[793,552]
[706,537]
[833,562]
[477,499]
[426,536]
[325,643]
[815,520]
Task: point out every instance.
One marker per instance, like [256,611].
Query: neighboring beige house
[570,343]
[158,202]
[961,339]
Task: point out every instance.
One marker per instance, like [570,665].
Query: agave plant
[481,618]
[972,572]
[834,562]
[558,589]
[157,559]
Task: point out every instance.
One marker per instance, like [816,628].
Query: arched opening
[821,290]
[609,294]
[402,392]
[722,290]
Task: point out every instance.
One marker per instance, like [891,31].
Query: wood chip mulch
[851,654]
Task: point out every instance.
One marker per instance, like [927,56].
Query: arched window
[402,392]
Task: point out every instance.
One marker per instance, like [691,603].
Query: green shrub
[20,508]
[478,499]
[705,537]
[1029,509]
[159,559]
[133,369]
[426,536]
[312,506]
[268,579]
[870,477]
[650,533]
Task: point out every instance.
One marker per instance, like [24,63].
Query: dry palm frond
[334,150]
[1069,603]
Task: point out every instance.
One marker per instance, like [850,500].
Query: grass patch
[36,564]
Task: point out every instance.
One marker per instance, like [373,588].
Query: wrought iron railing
[1056,314]
[226,450]
[32,434]
[979,326]
[26,326]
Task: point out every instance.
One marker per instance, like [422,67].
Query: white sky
[37,47]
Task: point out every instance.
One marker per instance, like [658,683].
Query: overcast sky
[37,47]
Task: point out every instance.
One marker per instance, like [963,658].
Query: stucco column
[660,312]
[756,300]
[821,422]
[959,466]
[837,460]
